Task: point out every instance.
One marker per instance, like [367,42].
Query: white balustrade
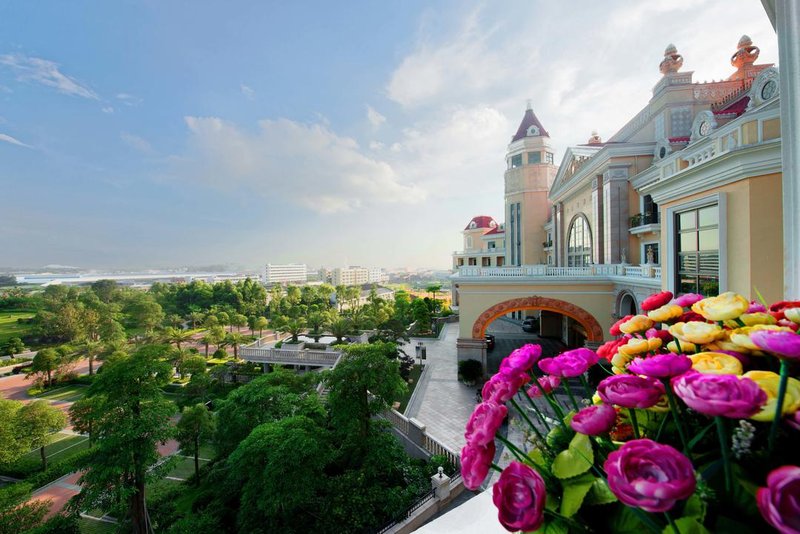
[549,271]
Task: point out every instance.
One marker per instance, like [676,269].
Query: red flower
[608,349]
[690,316]
[656,301]
[614,330]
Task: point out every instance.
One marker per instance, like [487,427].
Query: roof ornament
[672,61]
[595,139]
[529,105]
[746,53]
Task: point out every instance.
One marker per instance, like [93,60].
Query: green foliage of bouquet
[695,428]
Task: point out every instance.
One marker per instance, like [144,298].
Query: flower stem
[496,467]
[556,407]
[678,345]
[773,429]
[537,411]
[649,523]
[673,406]
[586,388]
[570,395]
[568,520]
[527,420]
[634,422]
[672,523]
[521,456]
[723,445]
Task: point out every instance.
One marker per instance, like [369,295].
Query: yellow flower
[696,332]
[636,324]
[741,336]
[665,313]
[726,306]
[686,347]
[752,319]
[768,381]
[620,361]
[716,363]
[661,406]
[596,399]
[793,314]
[638,346]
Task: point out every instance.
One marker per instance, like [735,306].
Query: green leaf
[695,440]
[600,493]
[695,507]
[536,455]
[686,525]
[577,459]
[575,490]
[558,438]
[552,526]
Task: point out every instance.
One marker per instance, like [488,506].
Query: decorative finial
[746,53]
[595,138]
[529,104]
[672,61]
[441,471]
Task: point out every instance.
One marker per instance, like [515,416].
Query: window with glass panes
[548,157]
[697,244]
[516,161]
[579,243]
[534,157]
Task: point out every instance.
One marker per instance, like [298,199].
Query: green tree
[363,384]
[17,512]
[11,446]
[196,424]
[234,339]
[84,412]
[421,315]
[316,320]
[13,346]
[295,327]
[145,312]
[192,365]
[135,419]
[92,349]
[45,362]
[177,336]
[260,324]
[196,318]
[433,289]
[37,421]
[238,320]
[106,290]
[340,327]
[225,320]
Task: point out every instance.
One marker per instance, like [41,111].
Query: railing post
[441,485]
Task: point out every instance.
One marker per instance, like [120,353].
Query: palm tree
[315,321]
[340,327]
[92,349]
[234,339]
[196,318]
[295,327]
[177,336]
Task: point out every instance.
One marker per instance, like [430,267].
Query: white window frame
[668,259]
[643,251]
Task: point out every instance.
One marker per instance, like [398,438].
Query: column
[615,213]
[558,229]
[598,250]
[787,24]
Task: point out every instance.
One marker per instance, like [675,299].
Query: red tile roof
[481,221]
[735,108]
[495,230]
[528,120]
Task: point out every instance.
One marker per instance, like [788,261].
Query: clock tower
[530,171]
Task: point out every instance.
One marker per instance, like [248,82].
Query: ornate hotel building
[685,197]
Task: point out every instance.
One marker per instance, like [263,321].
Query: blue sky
[167,133]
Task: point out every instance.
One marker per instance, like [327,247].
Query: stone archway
[594,331]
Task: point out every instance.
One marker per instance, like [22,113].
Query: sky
[166,133]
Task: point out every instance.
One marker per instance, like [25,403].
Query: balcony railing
[257,354]
[549,271]
[641,219]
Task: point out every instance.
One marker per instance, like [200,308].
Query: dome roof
[481,221]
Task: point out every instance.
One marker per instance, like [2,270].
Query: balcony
[547,245]
[645,223]
[647,274]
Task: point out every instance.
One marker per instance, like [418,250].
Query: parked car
[530,325]
[489,341]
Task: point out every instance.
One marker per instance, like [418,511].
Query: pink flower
[484,422]
[475,463]
[656,301]
[594,420]
[779,502]
[663,335]
[782,344]
[794,420]
[545,384]
[688,299]
[569,364]
[522,359]
[504,385]
[631,391]
[756,307]
[649,475]
[724,395]
[614,330]
[519,496]
[661,365]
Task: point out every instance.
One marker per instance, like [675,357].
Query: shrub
[470,370]
[58,524]
[440,460]
[220,354]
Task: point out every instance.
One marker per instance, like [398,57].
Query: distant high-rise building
[354,276]
[285,273]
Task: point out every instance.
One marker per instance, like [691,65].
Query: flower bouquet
[693,428]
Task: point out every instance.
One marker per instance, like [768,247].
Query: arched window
[579,243]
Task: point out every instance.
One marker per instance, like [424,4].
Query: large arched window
[579,243]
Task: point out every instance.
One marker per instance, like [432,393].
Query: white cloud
[45,72]
[128,99]
[107,109]
[12,140]
[286,161]
[374,118]
[247,91]
[136,142]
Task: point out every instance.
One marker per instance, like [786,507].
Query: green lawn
[185,468]
[10,328]
[92,526]
[68,393]
[413,378]
[63,446]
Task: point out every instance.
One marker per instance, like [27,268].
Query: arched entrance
[626,304]
[594,332]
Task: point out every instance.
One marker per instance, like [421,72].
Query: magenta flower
[484,422]
[649,475]
[794,420]
[545,384]
[661,365]
[631,391]
[656,301]
[569,364]
[519,496]
[504,385]
[475,463]
[756,307]
[720,395]
[522,359]
[594,420]
[779,502]
[688,299]
[781,344]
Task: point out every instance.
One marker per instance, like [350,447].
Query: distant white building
[285,273]
[355,276]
